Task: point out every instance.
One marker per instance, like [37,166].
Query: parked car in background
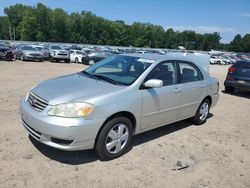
[87,50]
[219,60]
[58,53]
[238,77]
[28,53]
[5,52]
[42,49]
[94,57]
[76,56]
[142,52]
[225,60]
[103,106]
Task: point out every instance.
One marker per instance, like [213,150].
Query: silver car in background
[103,106]
[28,53]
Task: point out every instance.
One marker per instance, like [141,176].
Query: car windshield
[3,45]
[120,69]
[39,48]
[29,48]
[56,47]
[79,53]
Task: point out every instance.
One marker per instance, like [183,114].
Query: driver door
[160,106]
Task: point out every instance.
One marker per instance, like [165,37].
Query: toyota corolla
[105,105]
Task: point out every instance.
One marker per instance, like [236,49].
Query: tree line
[40,23]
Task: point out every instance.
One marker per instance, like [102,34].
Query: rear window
[242,64]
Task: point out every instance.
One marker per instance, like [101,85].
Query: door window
[189,73]
[164,71]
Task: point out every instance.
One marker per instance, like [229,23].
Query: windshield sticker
[146,60]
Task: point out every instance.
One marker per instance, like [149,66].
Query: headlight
[76,109]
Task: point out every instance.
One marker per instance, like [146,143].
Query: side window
[164,71]
[189,73]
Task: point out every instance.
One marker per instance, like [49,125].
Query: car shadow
[161,131]
[88,156]
[66,157]
[238,93]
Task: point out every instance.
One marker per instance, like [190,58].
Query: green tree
[4,28]
[236,44]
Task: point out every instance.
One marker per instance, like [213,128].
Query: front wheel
[76,60]
[22,57]
[114,139]
[202,113]
[91,62]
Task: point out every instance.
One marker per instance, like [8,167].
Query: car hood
[72,87]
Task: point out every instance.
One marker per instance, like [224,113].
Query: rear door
[193,88]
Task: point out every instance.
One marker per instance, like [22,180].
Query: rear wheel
[114,139]
[202,113]
[229,89]
[76,60]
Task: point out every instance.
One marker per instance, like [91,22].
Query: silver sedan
[103,106]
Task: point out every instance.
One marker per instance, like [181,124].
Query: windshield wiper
[88,74]
[102,77]
[110,80]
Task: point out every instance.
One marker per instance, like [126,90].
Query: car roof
[170,55]
[197,58]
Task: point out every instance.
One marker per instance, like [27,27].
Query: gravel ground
[216,154]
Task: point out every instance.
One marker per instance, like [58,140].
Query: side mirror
[153,83]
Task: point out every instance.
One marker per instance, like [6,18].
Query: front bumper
[7,56]
[57,56]
[30,57]
[244,85]
[72,133]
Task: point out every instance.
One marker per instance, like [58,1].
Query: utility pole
[10,32]
[14,32]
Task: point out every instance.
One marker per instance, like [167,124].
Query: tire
[229,89]
[66,60]
[76,60]
[91,62]
[202,112]
[51,59]
[110,134]
[22,57]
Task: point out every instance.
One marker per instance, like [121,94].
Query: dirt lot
[217,153]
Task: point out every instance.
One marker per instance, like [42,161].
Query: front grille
[31,131]
[37,102]
[61,141]
[35,55]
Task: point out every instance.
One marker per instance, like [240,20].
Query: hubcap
[117,138]
[91,62]
[204,111]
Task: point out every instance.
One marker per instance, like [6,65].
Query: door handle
[202,85]
[177,90]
